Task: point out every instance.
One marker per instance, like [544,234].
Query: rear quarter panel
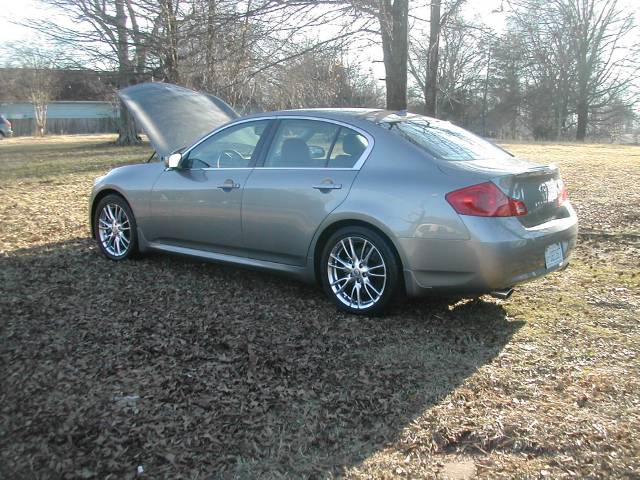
[403,188]
[400,190]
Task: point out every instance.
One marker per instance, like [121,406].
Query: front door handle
[228,185]
[328,186]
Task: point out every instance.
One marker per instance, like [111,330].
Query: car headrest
[352,145]
[295,152]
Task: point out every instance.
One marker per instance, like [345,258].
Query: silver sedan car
[368,203]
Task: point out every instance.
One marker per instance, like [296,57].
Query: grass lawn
[195,370]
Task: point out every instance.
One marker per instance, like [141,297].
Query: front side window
[301,143]
[233,147]
[444,140]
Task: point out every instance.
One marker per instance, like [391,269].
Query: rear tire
[359,271]
[115,228]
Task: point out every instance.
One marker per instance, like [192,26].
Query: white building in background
[63,117]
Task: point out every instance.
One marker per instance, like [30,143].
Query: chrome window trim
[356,166]
[324,169]
[208,169]
[214,169]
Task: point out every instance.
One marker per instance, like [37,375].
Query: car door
[303,176]
[198,204]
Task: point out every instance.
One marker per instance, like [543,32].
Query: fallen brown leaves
[170,367]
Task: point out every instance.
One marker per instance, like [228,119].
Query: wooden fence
[61,126]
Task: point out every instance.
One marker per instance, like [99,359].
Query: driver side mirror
[173,160]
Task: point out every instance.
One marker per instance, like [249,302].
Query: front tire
[359,271]
[115,229]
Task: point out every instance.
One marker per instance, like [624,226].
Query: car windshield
[444,140]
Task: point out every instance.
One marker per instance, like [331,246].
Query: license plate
[553,255]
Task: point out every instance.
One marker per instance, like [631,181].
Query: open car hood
[174,117]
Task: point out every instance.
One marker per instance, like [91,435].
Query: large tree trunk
[583,119]
[395,44]
[40,110]
[127,131]
[209,80]
[485,90]
[171,58]
[431,97]
[127,134]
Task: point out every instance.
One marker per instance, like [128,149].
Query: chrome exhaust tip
[503,294]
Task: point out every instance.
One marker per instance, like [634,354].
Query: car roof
[375,115]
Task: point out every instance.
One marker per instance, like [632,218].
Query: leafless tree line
[559,68]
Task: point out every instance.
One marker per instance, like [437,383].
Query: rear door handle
[228,185]
[328,186]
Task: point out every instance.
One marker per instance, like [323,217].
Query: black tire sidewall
[133,247]
[386,250]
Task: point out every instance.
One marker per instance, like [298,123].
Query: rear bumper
[500,253]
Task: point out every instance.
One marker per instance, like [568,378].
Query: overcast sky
[486,11]
[17,10]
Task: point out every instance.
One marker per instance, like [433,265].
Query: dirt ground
[173,368]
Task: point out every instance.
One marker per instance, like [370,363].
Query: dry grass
[195,370]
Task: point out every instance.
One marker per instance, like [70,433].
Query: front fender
[134,183]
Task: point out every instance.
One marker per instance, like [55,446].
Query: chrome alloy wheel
[114,229]
[357,272]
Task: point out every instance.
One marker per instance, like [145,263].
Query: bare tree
[577,46]
[238,50]
[393,17]
[463,57]
[169,40]
[320,78]
[424,64]
[596,27]
[506,86]
[431,87]
[37,79]
[109,34]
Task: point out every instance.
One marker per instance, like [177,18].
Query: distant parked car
[5,127]
[367,202]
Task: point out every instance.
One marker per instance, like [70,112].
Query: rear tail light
[563,193]
[485,200]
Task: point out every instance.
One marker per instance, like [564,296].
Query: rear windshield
[444,140]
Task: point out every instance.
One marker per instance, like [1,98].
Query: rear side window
[301,143]
[444,140]
[349,147]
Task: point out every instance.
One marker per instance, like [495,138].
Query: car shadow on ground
[188,369]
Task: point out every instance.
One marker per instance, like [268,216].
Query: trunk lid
[174,117]
[538,186]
